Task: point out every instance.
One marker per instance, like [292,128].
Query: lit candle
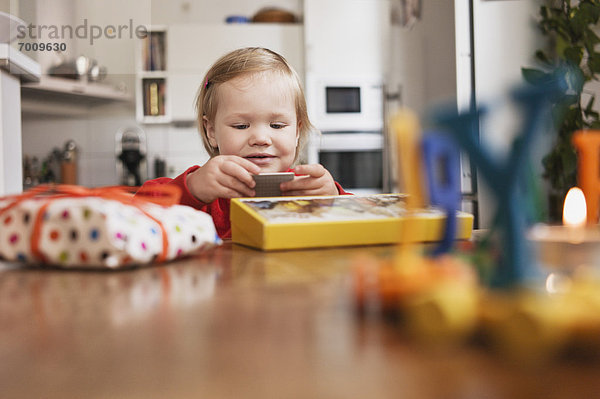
[575,214]
[571,245]
[574,219]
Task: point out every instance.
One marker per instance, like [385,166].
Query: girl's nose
[259,136]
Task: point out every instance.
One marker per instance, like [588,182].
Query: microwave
[345,103]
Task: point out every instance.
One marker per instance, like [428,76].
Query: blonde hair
[247,61]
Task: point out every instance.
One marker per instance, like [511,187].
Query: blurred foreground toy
[435,293]
[505,177]
[440,299]
[531,328]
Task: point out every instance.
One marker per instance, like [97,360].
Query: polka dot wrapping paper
[97,231]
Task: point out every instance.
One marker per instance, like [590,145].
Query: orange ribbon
[164,194]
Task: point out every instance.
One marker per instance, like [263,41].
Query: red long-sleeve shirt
[218,209]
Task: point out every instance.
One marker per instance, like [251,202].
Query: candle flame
[574,210]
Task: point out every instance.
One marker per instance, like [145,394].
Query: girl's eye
[241,126]
[277,125]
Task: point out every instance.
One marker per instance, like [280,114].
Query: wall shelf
[67,97]
[152,74]
[67,89]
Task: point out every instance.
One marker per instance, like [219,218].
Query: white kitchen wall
[95,131]
[346,38]
[423,60]
[505,40]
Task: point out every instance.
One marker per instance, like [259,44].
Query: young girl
[252,118]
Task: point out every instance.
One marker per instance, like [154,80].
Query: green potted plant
[569,27]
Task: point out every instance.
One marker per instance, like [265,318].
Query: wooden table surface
[237,323]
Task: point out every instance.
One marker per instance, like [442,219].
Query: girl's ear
[210,132]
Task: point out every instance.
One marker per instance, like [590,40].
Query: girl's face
[256,120]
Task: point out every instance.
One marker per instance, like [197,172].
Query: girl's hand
[224,176]
[318,181]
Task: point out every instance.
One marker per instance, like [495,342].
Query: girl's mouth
[260,159]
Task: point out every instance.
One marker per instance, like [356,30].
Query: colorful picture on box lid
[319,209]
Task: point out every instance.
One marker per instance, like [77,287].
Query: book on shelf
[325,221]
[153,52]
[154,97]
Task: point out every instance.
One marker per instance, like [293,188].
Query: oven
[355,159]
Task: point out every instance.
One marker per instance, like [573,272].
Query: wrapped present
[72,226]
[337,220]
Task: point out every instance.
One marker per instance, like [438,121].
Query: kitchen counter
[236,323]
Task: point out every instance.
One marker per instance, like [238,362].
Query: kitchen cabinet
[15,68]
[347,37]
[191,49]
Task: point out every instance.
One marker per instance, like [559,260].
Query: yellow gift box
[328,221]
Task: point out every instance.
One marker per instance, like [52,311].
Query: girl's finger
[299,183]
[230,193]
[313,170]
[230,183]
[237,171]
[252,168]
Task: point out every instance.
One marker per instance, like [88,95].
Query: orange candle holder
[587,143]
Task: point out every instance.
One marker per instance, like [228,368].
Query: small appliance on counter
[68,163]
[131,152]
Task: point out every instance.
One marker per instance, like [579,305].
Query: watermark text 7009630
[82,31]
[42,46]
